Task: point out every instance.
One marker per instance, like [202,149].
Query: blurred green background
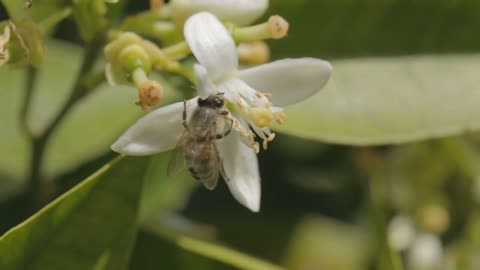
[324,206]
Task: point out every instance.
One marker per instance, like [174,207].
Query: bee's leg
[224,113]
[184,116]
[219,136]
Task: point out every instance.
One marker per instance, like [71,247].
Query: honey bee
[196,149]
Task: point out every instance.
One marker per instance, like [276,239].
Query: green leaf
[224,254]
[211,250]
[374,101]
[90,227]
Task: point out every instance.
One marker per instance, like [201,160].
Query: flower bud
[126,54]
[254,53]
[134,57]
[21,44]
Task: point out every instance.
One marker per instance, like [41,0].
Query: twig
[39,143]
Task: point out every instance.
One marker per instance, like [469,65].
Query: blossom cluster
[216,33]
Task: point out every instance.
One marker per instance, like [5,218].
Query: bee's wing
[177,161]
[212,181]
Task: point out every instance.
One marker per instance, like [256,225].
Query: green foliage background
[394,132]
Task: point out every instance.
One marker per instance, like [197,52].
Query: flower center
[255,115]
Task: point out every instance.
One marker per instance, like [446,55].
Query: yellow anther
[268,95]
[271,137]
[256,147]
[262,117]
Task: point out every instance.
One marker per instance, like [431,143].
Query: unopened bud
[254,53]
[135,57]
[434,218]
[277,26]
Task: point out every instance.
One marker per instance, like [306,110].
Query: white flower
[289,81]
[286,81]
[241,12]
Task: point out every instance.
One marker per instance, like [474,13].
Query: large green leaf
[92,225]
[373,101]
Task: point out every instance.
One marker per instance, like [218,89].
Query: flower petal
[289,80]
[241,12]
[211,44]
[205,86]
[155,132]
[241,167]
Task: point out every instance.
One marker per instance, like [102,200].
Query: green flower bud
[21,44]
[135,57]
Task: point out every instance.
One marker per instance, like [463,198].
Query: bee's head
[214,101]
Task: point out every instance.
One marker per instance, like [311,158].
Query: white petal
[155,132]
[241,12]
[289,80]
[205,86]
[211,44]
[241,167]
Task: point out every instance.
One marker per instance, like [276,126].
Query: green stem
[39,143]
[31,78]
[47,24]
[177,51]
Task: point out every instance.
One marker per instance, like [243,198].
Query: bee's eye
[218,102]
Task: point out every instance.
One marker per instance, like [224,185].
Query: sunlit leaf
[373,101]
[92,225]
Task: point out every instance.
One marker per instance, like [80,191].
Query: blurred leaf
[391,100]
[163,193]
[345,28]
[87,131]
[319,243]
[92,225]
